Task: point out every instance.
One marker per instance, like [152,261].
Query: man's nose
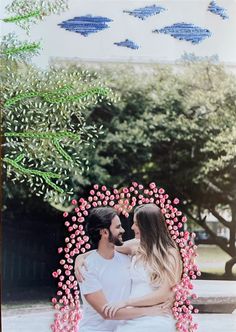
[122,230]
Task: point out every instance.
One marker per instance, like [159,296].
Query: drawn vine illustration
[25,13]
[45,130]
[14,49]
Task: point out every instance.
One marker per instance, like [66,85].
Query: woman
[156,267]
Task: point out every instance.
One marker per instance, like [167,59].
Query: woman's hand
[110,309]
[158,310]
[79,263]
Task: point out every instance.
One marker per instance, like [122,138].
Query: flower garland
[67,296]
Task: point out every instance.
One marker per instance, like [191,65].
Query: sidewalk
[39,319]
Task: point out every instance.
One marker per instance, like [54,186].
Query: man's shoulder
[123,257]
[92,257]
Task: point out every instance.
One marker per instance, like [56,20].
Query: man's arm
[97,300]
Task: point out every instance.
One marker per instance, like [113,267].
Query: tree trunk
[233,230]
[229,267]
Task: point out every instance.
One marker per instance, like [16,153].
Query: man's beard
[115,240]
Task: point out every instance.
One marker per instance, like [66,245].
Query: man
[106,277]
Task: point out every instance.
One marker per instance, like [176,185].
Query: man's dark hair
[99,218]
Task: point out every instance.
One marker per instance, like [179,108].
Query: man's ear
[104,231]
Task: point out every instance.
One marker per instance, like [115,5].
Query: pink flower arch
[66,302]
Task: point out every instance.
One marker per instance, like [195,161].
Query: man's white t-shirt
[112,276]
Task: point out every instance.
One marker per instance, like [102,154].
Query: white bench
[215,322]
[215,296]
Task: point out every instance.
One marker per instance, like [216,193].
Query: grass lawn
[212,259]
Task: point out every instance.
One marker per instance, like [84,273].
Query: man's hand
[79,263]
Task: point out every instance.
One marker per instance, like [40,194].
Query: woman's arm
[129,247]
[163,295]
[98,301]
[160,295]
[164,292]
[80,262]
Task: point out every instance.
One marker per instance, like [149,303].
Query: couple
[127,286]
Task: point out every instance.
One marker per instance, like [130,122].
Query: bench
[215,296]
[215,322]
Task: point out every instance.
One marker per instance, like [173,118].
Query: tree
[177,129]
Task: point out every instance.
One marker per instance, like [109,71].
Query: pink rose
[176,201]
[59,250]
[184,219]
[152,185]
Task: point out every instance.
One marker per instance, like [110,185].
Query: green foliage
[175,128]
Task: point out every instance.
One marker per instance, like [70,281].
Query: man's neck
[106,250]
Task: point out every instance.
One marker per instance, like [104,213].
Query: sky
[153,47]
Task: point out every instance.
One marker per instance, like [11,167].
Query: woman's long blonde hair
[157,249]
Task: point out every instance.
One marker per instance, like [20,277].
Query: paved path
[41,320]
[38,318]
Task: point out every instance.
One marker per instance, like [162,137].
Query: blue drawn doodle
[215,9]
[145,12]
[186,31]
[86,25]
[128,43]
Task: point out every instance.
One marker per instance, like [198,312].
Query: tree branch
[210,232]
[220,218]
[217,190]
